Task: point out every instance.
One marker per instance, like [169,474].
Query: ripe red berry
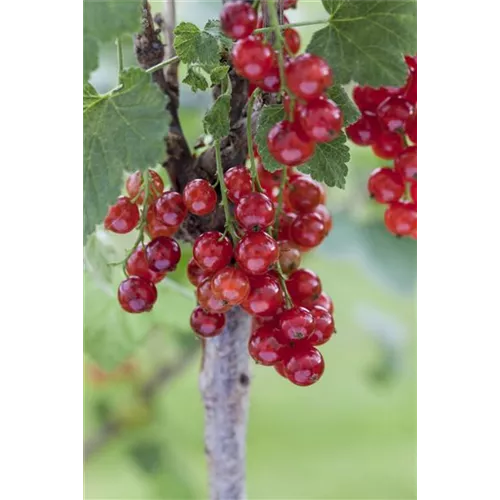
[170,209]
[288,144]
[410,89]
[231,285]
[290,4]
[265,297]
[303,194]
[208,300]
[369,98]
[388,145]
[155,227]
[212,251]
[413,191]
[286,221]
[264,345]
[394,112]
[271,80]
[386,185]
[136,295]
[255,212]
[195,273]
[269,181]
[365,131]
[199,197]
[296,323]
[289,257]
[252,58]
[205,324]
[321,119]
[163,254]
[304,365]
[401,218]
[406,163]
[308,230]
[326,216]
[307,76]
[238,182]
[137,265]
[238,19]
[122,217]
[135,188]
[411,128]
[280,368]
[324,301]
[292,40]
[304,286]
[256,252]
[324,326]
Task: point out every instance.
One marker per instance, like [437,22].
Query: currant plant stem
[279,208]
[253,168]
[275,25]
[281,276]
[119,53]
[161,65]
[292,25]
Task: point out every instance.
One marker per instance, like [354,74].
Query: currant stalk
[292,25]
[275,24]
[279,208]
[253,167]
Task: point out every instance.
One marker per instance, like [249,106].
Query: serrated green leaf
[366,39]
[195,79]
[90,55]
[216,119]
[269,116]
[218,74]
[213,27]
[329,163]
[123,130]
[196,46]
[349,109]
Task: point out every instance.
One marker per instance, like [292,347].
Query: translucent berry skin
[255,212]
[321,120]
[238,182]
[411,128]
[238,19]
[308,230]
[170,209]
[155,227]
[401,218]
[269,181]
[304,286]
[122,217]
[292,40]
[326,216]
[231,285]
[413,191]
[386,185]
[406,163]
[410,89]
[252,58]
[324,301]
[199,197]
[394,112]
[207,325]
[256,252]
[195,273]
[137,265]
[303,194]
[290,257]
[136,295]
[288,144]
[163,254]
[286,221]
[365,131]
[388,145]
[368,99]
[304,366]
[324,326]
[307,76]
[265,297]
[208,301]
[136,191]
[271,80]
[264,345]
[296,323]
[212,251]
[280,368]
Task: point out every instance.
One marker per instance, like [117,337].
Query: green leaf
[213,27]
[90,55]
[196,46]
[366,39]
[216,119]
[342,99]
[218,74]
[123,130]
[195,79]
[269,116]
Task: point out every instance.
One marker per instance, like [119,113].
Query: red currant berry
[413,191]
[289,257]
[410,89]
[286,221]
[401,218]
[394,112]
[388,145]
[326,216]
[135,188]
[324,301]
[406,163]
[199,197]
[386,185]
[252,58]
[195,273]
[205,324]
[288,144]
[304,365]
[296,323]
[269,181]
[369,98]
[280,368]
[163,254]
[122,217]
[290,4]
[264,345]
[260,22]
[297,108]
[365,131]
[308,230]
[271,80]
[321,120]
[137,265]
[303,194]
[136,295]
[212,251]
[292,40]
[238,19]
[231,285]
[170,209]
[155,227]
[265,297]
[304,286]
[256,252]
[208,300]
[411,128]
[308,75]
[238,182]
[255,212]
[324,326]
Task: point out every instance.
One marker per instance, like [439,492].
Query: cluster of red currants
[388,123]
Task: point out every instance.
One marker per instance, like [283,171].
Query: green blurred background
[351,436]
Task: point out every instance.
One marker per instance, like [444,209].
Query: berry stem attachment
[119,54]
[292,25]
[253,167]
[162,64]
[279,208]
[281,277]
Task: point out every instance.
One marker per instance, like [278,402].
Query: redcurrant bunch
[388,124]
